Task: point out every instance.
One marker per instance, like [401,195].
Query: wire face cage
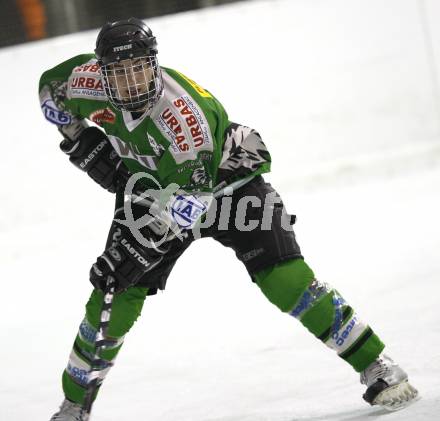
[133,84]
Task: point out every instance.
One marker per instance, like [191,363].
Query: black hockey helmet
[126,51]
[124,39]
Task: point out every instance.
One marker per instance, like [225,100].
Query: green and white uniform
[187,139]
[183,139]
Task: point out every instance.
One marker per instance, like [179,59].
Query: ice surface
[341,93]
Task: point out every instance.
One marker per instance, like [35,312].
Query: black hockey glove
[93,153]
[126,259]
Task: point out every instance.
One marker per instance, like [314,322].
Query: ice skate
[70,411]
[387,385]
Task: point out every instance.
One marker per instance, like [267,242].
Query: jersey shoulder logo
[50,110]
[85,82]
[54,115]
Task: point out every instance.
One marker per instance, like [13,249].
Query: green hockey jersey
[185,139]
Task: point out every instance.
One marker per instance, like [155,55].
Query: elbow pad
[93,153]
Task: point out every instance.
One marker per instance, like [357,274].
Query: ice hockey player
[162,132]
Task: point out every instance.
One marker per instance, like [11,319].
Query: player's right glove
[93,153]
[126,259]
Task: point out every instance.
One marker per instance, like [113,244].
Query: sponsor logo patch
[170,124]
[340,337]
[105,115]
[87,68]
[186,210]
[87,332]
[87,82]
[79,374]
[86,87]
[194,121]
[184,124]
[308,299]
[54,115]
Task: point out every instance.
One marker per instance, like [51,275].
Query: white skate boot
[387,385]
[70,411]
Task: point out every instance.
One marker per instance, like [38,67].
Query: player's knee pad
[284,283]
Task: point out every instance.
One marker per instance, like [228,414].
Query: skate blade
[397,397]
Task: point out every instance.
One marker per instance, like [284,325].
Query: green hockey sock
[126,308]
[292,287]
